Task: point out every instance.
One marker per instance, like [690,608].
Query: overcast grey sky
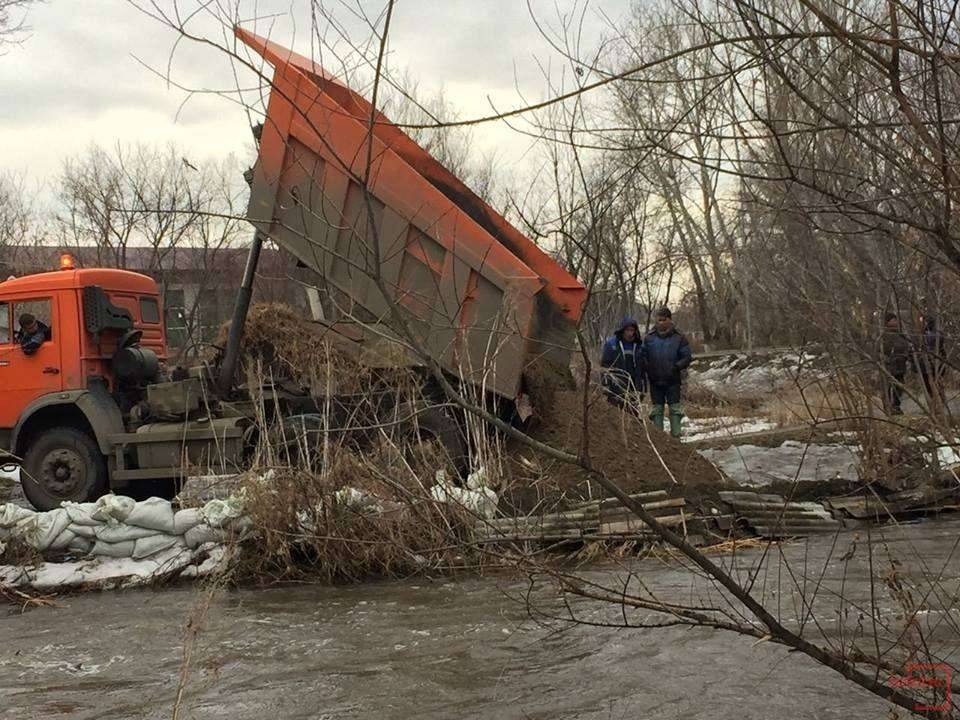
[76,79]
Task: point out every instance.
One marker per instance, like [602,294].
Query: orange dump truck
[411,257]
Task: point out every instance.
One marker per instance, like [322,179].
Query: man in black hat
[898,354]
[667,354]
[32,333]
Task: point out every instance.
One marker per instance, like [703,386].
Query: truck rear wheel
[435,423]
[63,464]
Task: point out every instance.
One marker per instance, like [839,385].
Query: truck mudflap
[97,406]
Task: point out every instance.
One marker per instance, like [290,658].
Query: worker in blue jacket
[622,362]
[666,355]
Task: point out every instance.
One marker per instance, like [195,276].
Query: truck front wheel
[63,464]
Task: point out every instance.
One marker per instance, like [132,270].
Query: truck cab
[63,404]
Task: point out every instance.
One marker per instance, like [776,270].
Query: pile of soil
[279,342]
[618,445]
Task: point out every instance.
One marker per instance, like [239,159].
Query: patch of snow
[759,466]
[843,435]
[741,374]
[695,429]
[948,457]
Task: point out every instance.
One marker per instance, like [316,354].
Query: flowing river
[442,648]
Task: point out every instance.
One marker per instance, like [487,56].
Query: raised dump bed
[387,226]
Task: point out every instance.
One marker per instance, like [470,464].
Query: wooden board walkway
[595,520]
[765,515]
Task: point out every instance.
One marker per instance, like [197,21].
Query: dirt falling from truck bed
[279,342]
[618,445]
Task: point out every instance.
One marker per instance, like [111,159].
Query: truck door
[24,378]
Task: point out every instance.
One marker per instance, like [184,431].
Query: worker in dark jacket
[933,365]
[898,355]
[622,362]
[32,334]
[666,354]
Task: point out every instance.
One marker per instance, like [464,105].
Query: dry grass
[702,402]
[793,405]
[367,514]
[27,600]
[796,405]
[15,551]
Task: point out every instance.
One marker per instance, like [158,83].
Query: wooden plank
[635,524]
[736,497]
[657,509]
[642,498]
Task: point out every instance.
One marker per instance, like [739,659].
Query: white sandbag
[218,513]
[184,520]
[40,530]
[81,513]
[11,514]
[88,532]
[241,525]
[478,479]
[63,540]
[113,508]
[203,533]
[154,514]
[489,504]
[13,575]
[216,560]
[114,550]
[481,502]
[80,545]
[121,533]
[150,546]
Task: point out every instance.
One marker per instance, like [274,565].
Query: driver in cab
[32,334]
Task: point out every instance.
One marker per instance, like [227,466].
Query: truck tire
[60,464]
[437,424]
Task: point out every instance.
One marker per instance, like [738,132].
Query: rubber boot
[675,419]
[656,415]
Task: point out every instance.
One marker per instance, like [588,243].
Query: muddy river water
[426,649]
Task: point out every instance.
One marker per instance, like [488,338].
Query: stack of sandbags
[122,542]
[119,527]
[106,572]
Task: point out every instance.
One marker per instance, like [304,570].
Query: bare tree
[19,220]
[13,15]
[155,211]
